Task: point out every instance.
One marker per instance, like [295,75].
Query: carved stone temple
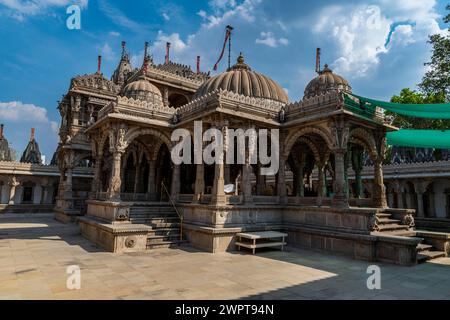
[135,198]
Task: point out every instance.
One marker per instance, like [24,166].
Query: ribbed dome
[241,79]
[325,82]
[142,89]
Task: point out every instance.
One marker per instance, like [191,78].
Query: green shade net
[439,139]
[420,138]
[429,111]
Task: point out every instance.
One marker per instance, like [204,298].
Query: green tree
[437,79]
[434,88]
[408,96]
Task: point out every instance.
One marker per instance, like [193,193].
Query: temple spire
[99,64]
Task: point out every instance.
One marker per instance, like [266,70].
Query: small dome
[326,81]
[142,89]
[241,79]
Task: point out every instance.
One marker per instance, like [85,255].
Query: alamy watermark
[73,21]
[374,280]
[73,281]
[252,146]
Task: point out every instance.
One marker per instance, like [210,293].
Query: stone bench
[262,239]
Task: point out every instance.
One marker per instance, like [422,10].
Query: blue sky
[378,45]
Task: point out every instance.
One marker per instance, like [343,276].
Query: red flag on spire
[227,36]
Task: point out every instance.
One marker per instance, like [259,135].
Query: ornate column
[95,186]
[420,187]
[152,180]
[199,182]
[13,183]
[261,182]
[115,181]
[379,189]
[300,176]
[340,198]
[246,182]
[281,180]
[357,166]
[175,185]
[137,179]
[218,192]
[397,188]
[68,191]
[117,148]
[322,184]
[37,194]
[340,135]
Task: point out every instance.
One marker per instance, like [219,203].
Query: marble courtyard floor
[36,250]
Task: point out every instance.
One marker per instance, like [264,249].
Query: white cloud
[54,126]
[225,10]
[22,112]
[269,39]
[166,16]
[21,8]
[107,52]
[114,34]
[363,33]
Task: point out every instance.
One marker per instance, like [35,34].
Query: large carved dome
[141,89]
[241,79]
[326,81]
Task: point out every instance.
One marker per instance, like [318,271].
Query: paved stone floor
[36,250]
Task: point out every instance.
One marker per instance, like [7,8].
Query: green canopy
[429,111]
[439,139]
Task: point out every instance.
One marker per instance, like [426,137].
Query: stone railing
[230,100]
[136,108]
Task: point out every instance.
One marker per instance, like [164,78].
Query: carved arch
[292,137]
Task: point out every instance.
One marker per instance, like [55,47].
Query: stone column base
[117,238]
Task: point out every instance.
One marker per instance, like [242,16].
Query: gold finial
[240,59]
[240,65]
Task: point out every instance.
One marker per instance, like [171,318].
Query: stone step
[383,215]
[152,212]
[165,244]
[388,221]
[424,247]
[165,232]
[155,220]
[429,255]
[162,238]
[392,227]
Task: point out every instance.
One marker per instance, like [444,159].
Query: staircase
[389,226]
[164,221]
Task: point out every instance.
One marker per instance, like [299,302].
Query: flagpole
[229,28]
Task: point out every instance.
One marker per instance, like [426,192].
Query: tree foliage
[434,88]
[408,96]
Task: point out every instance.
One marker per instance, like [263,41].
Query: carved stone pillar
[246,182]
[357,166]
[420,209]
[261,183]
[13,183]
[68,191]
[115,181]
[95,186]
[199,182]
[300,180]
[227,174]
[281,181]
[175,185]
[152,180]
[137,179]
[37,194]
[340,198]
[379,189]
[218,193]
[322,184]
